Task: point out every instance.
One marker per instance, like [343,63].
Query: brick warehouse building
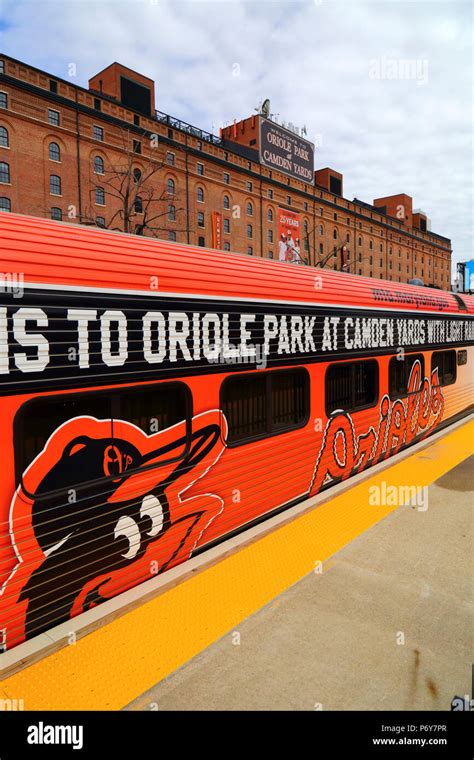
[59,142]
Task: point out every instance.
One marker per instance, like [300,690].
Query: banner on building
[289,239]
[286,151]
[216,229]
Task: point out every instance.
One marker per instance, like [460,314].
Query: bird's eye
[127,527]
[151,507]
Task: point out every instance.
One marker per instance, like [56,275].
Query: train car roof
[74,256]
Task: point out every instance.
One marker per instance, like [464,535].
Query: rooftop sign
[285,151]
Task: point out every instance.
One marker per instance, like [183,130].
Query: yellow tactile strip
[111,666]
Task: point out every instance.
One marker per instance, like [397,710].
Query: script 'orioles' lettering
[343,453]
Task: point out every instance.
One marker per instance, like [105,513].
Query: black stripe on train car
[60,340]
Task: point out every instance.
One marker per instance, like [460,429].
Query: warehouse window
[200,195]
[249,209]
[5,204]
[226,202]
[226,225]
[55,184]
[399,373]
[53,117]
[138,206]
[445,363]
[264,404]
[100,221]
[98,133]
[56,213]
[3,100]
[151,408]
[350,386]
[270,215]
[54,152]
[170,186]
[137,146]
[226,246]
[170,158]
[200,169]
[98,165]
[172,236]
[4,172]
[3,137]
[226,178]
[200,218]
[249,231]
[171,212]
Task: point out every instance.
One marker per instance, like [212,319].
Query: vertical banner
[289,241]
[216,229]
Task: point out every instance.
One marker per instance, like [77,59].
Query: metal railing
[201,134]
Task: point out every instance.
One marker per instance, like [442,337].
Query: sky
[384,88]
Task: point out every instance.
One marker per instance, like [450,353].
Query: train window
[462,357]
[445,363]
[265,404]
[351,385]
[152,409]
[399,371]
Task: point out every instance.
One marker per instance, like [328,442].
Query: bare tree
[337,247]
[139,205]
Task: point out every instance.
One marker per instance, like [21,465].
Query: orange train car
[157,398]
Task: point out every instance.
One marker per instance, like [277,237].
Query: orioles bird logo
[96,514]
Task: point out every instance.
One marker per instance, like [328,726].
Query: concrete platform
[387,624]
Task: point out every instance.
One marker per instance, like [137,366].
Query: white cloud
[313,59]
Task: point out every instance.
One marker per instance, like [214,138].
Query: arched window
[305,225]
[100,196]
[138,205]
[171,212]
[371,245]
[172,236]
[200,195]
[348,238]
[321,229]
[334,233]
[55,184]
[3,137]
[137,175]
[170,186]
[360,241]
[56,213]
[249,209]
[4,172]
[54,152]
[98,165]
[270,215]
[5,204]
[226,201]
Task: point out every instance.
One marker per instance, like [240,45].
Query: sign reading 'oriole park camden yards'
[285,151]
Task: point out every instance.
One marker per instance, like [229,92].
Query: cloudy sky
[384,88]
